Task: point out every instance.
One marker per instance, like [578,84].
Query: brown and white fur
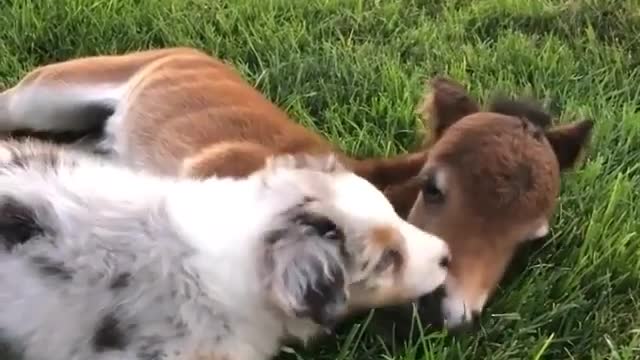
[99,261]
[486,182]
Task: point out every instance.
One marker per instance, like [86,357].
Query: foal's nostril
[444,262]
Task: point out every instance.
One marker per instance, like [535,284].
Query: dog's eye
[334,234]
[328,229]
[323,226]
[390,257]
[430,191]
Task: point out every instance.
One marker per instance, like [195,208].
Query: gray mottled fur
[108,255]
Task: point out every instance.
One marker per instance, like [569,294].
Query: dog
[100,261]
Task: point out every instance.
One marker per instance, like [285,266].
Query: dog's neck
[224,220]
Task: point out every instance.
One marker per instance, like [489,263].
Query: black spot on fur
[17,223]
[151,348]
[327,229]
[321,225]
[52,268]
[109,335]
[325,299]
[522,108]
[152,355]
[226,327]
[10,348]
[121,281]
[364,265]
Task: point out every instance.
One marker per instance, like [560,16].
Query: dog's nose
[444,262]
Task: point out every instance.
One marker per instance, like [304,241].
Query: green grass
[354,70]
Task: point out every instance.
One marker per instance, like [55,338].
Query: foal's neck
[394,176]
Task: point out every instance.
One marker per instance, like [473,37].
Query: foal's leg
[75,95]
[236,159]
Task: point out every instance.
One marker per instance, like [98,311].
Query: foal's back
[173,110]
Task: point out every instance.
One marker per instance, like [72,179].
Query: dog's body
[102,262]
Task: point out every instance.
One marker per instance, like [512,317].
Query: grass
[354,69]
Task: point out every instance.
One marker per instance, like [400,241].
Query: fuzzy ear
[569,141]
[445,103]
[307,262]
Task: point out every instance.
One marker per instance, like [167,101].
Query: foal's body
[487,181]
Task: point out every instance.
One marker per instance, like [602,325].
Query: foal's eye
[430,191]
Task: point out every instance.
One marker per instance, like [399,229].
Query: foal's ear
[569,141]
[445,102]
[308,278]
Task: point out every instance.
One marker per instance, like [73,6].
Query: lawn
[354,70]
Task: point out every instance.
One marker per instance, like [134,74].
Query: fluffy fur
[102,262]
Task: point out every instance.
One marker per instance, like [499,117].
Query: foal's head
[489,184]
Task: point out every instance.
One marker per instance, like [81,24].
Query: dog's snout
[427,261]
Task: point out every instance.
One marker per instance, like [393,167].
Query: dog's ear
[306,266]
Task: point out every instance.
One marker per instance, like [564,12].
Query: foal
[486,182]
[102,262]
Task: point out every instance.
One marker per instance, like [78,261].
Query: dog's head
[342,248]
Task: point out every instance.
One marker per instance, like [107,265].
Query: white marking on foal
[441,180]
[479,303]
[457,309]
[542,231]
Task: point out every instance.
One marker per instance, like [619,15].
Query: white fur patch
[542,231]
[55,107]
[5,155]
[457,309]
[441,180]
[454,308]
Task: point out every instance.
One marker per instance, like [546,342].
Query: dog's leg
[72,96]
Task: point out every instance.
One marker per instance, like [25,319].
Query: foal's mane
[522,108]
